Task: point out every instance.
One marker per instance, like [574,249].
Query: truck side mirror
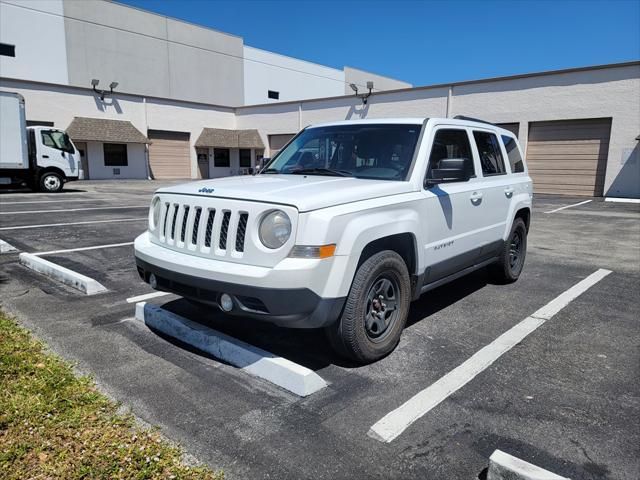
[450,170]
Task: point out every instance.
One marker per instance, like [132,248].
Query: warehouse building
[176,100]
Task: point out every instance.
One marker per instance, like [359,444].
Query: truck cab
[55,158]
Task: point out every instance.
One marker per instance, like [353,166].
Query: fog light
[226,304]
[153,281]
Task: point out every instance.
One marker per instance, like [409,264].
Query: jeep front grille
[197,228]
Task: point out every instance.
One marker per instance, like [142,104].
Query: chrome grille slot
[173,222]
[224,230]
[241,231]
[209,230]
[196,225]
[185,217]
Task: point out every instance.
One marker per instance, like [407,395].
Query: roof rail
[471,119]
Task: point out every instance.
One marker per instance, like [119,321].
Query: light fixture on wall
[362,96]
[103,93]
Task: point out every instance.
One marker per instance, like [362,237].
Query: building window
[115,155]
[273,94]
[7,50]
[221,157]
[490,154]
[245,158]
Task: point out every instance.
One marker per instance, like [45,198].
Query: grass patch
[54,424]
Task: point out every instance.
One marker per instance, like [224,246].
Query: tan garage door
[569,157]
[169,154]
[276,142]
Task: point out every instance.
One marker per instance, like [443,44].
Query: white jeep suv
[345,226]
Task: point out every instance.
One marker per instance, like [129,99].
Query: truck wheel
[508,268]
[375,311]
[51,182]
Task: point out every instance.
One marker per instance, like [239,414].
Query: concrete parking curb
[503,466]
[62,274]
[253,360]
[7,247]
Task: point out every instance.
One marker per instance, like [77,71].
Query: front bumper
[266,294]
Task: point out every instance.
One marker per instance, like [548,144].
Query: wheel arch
[43,170]
[368,235]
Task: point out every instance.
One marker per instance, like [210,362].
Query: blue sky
[426,42]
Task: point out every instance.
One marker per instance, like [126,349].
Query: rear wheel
[51,182]
[375,311]
[509,266]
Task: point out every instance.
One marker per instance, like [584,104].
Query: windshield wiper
[322,171]
[270,170]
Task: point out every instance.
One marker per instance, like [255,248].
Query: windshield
[372,151]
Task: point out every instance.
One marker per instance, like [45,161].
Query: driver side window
[449,143]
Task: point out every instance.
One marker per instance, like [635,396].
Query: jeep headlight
[275,229]
[154,213]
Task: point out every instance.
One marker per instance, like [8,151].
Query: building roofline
[233,109]
[377,74]
[337,70]
[464,82]
[151,12]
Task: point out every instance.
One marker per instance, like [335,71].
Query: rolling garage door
[169,154]
[569,157]
[276,142]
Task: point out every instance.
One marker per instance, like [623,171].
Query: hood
[305,192]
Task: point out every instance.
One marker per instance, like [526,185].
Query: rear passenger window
[513,153]
[449,143]
[490,154]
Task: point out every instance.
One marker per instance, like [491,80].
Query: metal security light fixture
[103,93]
[362,96]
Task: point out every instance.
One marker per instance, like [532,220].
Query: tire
[362,333]
[509,267]
[51,182]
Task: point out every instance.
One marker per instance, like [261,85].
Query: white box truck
[42,158]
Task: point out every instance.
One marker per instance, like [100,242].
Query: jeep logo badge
[206,190]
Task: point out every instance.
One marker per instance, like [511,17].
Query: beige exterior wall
[605,93]
[60,105]
[612,92]
[608,92]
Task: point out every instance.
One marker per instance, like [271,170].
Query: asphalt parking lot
[566,398]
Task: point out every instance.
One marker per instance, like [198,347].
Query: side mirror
[450,170]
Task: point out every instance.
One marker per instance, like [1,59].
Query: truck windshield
[57,139]
[372,151]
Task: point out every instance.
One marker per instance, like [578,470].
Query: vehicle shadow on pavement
[309,347]
[442,297]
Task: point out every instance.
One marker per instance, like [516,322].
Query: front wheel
[509,266]
[51,182]
[375,311]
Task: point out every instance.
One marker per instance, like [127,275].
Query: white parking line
[397,421]
[569,206]
[72,210]
[56,201]
[82,249]
[141,298]
[33,194]
[21,227]
[622,200]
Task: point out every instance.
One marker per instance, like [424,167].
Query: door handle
[476,198]
[509,192]
[45,156]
